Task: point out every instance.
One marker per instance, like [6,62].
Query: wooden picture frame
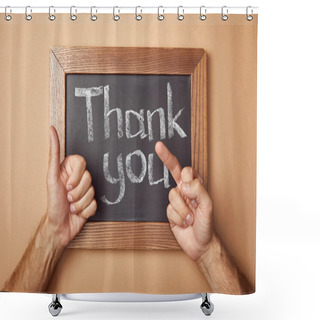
[132,60]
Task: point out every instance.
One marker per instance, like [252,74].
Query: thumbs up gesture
[70,193]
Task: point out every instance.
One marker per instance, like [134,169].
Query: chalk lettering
[107,113]
[88,93]
[133,178]
[162,123]
[113,180]
[130,174]
[165,178]
[172,124]
[140,118]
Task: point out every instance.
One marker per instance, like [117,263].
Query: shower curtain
[111,89]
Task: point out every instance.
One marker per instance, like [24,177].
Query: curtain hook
[249,17]
[160,16]
[203,15]
[224,13]
[93,17]
[138,16]
[116,17]
[28,16]
[73,16]
[52,17]
[180,15]
[7,16]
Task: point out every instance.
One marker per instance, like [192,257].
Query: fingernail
[70,198]
[189,219]
[185,186]
[194,203]
[69,187]
[72,208]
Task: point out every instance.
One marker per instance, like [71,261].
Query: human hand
[70,193]
[190,209]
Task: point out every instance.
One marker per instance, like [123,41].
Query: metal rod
[101,10]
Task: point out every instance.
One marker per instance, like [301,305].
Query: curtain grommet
[249,17]
[224,13]
[93,17]
[138,16]
[52,17]
[73,16]
[203,13]
[28,15]
[160,16]
[116,17]
[180,14]
[7,16]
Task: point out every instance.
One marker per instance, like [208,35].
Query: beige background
[24,144]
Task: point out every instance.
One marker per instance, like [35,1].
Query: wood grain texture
[117,60]
[57,101]
[199,154]
[126,235]
[110,60]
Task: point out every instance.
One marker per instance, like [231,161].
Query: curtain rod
[128,9]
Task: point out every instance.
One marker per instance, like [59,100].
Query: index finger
[170,161]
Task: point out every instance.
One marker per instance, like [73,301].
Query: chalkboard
[111,105]
[114,121]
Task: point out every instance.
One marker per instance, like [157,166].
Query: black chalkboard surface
[114,121]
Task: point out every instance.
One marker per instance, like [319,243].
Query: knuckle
[172,194]
[197,183]
[170,213]
[88,176]
[74,195]
[182,216]
[80,159]
[172,216]
[210,205]
[94,204]
[68,158]
[187,171]
[91,189]
[184,212]
[174,158]
[178,220]
[75,207]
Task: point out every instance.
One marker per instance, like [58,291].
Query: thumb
[198,195]
[54,156]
